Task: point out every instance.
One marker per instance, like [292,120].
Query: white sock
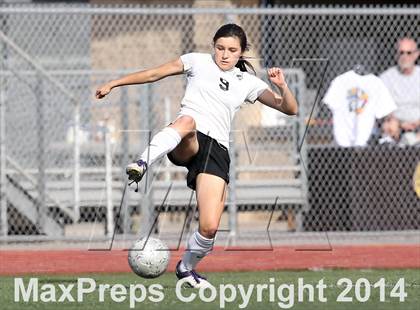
[162,143]
[197,247]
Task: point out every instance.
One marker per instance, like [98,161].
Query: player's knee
[187,122]
[208,231]
[185,125]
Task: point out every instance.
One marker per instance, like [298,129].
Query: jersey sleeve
[188,61]
[257,87]
[386,102]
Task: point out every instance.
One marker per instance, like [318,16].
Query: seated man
[403,82]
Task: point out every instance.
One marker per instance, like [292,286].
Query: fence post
[125,151]
[232,192]
[147,201]
[3,198]
[303,159]
[76,165]
[41,201]
[108,183]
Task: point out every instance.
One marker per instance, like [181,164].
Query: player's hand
[276,76]
[103,91]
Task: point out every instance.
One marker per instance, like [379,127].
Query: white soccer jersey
[355,101]
[405,89]
[213,96]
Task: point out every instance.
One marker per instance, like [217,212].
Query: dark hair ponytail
[233,30]
[243,65]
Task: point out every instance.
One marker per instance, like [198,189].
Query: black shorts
[212,158]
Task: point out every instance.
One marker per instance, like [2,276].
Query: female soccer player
[198,139]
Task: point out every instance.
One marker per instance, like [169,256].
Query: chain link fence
[63,153]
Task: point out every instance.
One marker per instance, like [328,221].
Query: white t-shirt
[213,96]
[405,89]
[355,101]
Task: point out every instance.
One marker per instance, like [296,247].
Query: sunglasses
[406,52]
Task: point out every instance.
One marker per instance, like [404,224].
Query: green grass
[171,301]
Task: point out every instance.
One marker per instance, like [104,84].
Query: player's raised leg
[211,195]
[161,144]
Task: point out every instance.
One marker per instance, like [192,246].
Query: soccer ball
[148,260]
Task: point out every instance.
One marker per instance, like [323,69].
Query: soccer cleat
[136,171]
[191,277]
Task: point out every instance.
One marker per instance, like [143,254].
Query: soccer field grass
[171,301]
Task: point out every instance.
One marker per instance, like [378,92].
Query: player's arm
[146,76]
[285,101]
